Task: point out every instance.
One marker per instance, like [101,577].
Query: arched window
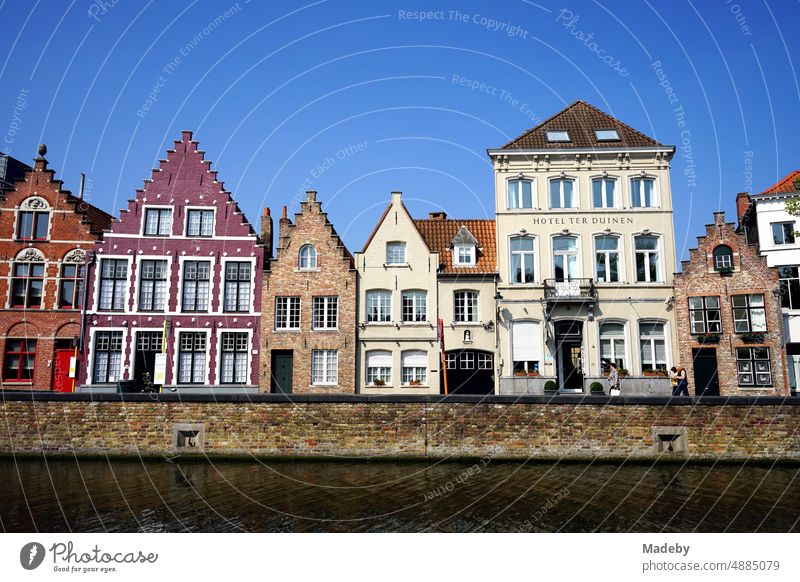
[612,344]
[70,286]
[379,368]
[414,368]
[723,257]
[27,279]
[308,257]
[520,194]
[562,193]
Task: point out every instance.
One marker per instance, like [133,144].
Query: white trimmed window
[379,305]
[379,368]
[464,255]
[196,282]
[520,194]
[753,367]
[107,357]
[157,221]
[199,223]
[606,264]
[307,257]
[414,368]
[234,350]
[643,193]
[604,193]
[326,312]
[396,253]
[653,344]
[522,254]
[415,306]
[705,315]
[526,346]
[612,344]
[562,194]
[648,262]
[192,358]
[152,285]
[324,367]
[749,313]
[466,306]
[287,313]
[783,233]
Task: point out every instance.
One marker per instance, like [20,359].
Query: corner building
[586,255]
[728,310]
[177,277]
[46,234]
[309,306]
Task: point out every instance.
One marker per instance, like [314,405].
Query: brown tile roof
[785,186]
[581,119]
[438,233]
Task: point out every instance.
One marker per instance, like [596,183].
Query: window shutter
[415,359]
[526,341]
[379,359]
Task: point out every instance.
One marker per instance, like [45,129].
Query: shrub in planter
[550,386]
[622,372]
[596,388]
[378,382]
[752,337]
[725,270]
[659,373]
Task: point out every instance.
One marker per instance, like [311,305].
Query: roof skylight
[558,135]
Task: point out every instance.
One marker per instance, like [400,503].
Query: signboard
[160,369]
[73,366]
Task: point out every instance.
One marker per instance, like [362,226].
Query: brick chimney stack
[437,215]
[719,217]
[283,227]
[266,232]
[742,205]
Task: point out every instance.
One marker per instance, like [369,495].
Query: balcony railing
[570,290]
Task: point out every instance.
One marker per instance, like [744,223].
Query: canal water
[128,496]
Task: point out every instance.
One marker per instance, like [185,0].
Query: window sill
[326,384]
[397,265]
[287,330]
[415,324]
[375,386]
[17,383]
[379,324]
[314,270]
[414,386]
[466,323]
[324,329]
[758,388]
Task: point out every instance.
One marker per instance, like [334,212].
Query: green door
[281,382]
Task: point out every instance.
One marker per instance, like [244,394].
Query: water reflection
[68,495]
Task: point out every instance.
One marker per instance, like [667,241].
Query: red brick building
[728,309]
[308,324]
[44,235]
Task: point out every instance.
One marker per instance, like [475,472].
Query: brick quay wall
[400,427]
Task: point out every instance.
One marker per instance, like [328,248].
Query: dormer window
[606,134]
[557,135]
[723,257]
[464,255]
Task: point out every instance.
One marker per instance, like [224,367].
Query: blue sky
[356,99]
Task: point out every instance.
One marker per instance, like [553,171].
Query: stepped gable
[581,120]
[185,178]
[440,234]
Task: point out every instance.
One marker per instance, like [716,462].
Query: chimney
[719,217]
[283,227]
[39,163]
[437,215]
[397,197]
[311,196]
[186,135]
[82,185]
[742,205]
[266,233]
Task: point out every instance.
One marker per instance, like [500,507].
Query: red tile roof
[581,120]
[785,186]
[439,233]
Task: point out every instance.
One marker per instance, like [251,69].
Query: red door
[61,380]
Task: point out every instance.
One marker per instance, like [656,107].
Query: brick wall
[331,427]
[334,275]
[751,276]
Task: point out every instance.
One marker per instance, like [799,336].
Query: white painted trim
[218,367]
[176,336]
[97,278]
[124,363]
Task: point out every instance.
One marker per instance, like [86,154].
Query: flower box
[660,373]
[533,374]
[707,337]
[723,271]
[752,337]
[415,383]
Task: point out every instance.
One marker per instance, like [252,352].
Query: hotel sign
[565,220]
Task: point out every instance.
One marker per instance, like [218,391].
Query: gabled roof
[439,234]
[464,237]
[786,186]
[581,120]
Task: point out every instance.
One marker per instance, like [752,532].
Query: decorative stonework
[35,203]
[30,255]
[76,256]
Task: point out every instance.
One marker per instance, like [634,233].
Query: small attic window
[464,255]
[558,135]
[606,134]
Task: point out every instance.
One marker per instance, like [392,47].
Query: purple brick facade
[182,258]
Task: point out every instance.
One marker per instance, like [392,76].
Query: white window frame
[329,305]
[417,296]
[470,253]
[576,254]
[289,302]
[783,224]
[307,254]
[248,358]
[562,181]
[471,298]
[607,260]
[652,339]
[391,248]
[518,204]
[656,191]
[614,339]
[159,208]
[522,255]
[660,278]
[604,191]
[382,372]
[384,299]
[203,210]
[329,374]
[415,373]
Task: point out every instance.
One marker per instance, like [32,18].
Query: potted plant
[622,372]
[707,337]
[415,383]
[378,382]
[533,373]
[723,271]
[752,337]
[596,388]
[550,386]
[519,373]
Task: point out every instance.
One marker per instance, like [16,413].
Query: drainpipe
[92,258]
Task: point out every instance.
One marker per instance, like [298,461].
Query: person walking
[673,379]
[682,386]
[613,379]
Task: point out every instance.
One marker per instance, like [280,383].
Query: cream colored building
[411,274]
[585,255]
